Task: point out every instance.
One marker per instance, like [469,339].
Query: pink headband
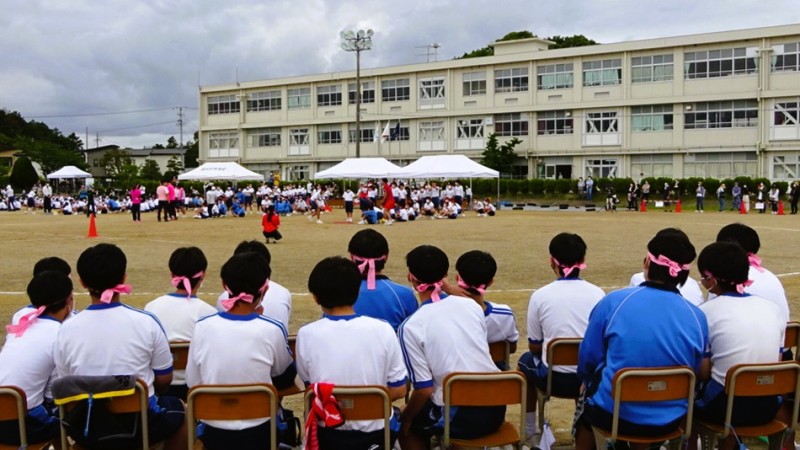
[480,289]
[755,261]
[674,268]
[108,294]
[228,303]
[568,269]
[423,287]
[25,322]
[368,262]
[186,281]
[739,287]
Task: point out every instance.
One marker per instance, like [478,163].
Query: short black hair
[335,281]
[568,249]
[186,262]
[742,235]
[51,289]
[368,243]
[245,273]
[725,261]
[476,268]
[102,267]
[254,246]
[675,245]
[427,263]
[52,263]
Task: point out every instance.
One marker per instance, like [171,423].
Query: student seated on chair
[558,309]
[650,325]
[27,361]
[445,335]
[42,265]
[178,311]
[109,338]
[346,348]
[743,329]
[240,346]
[476,271]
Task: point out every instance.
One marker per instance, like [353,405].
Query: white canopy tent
[68,172]
[361,168]
[229,171]
[448,166]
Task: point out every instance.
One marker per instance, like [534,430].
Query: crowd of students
[374,331]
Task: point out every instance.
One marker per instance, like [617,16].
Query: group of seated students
[448,328]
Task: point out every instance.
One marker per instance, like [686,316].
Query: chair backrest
[292,339]
[232,402]
[500,352]
[180,354]
[561,351]
[371,402]
[792,338]
[657,384]
[14,406]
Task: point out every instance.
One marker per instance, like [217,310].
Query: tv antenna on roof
[431,50]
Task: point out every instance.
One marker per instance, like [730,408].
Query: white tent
[221,171]
[68,172]
[446,166]
[360,168]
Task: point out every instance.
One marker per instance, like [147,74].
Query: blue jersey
[644,326]
[389,301]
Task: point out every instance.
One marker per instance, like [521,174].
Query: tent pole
[498,191]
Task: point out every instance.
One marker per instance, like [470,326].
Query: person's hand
[452,289]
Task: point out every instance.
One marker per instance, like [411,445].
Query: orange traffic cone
[742,208]
[678,206]
[644,206]
[92,227]
[780,208]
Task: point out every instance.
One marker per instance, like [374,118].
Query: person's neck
[59,315]
[97,301]
[478,299]
[243,309]
[185,293]
[339,311]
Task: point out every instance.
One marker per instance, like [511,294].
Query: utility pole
[180,123]
[97,140]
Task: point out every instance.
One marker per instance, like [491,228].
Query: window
[554,76]
[785,166]
[601,168]
[223,144]
[329,95]
[367,92]
[602,73]
[733,114]
[431,93]
[511,80]
[651,118]
[554,122]
[602,122]
[299,172]
[786,57]
[432,130]
[395,90]
[264,101]
[720,63]
[298,141]
[299,98]
[474,83]
[469,129]
[719,165]
[329,134]
[511,124]
[646,69]
[786,119]
[652,165]
[223,104]
[367,133]
[264,137]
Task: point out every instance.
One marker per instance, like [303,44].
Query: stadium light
[357,42]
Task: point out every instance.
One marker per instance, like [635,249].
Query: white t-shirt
[766,285]
[113,339]
[501,325]
[690,290]
[742,329]
[234,349]
[348,195]
[443,337]
[28,361]
[561,309]
[277,303]
[350,350]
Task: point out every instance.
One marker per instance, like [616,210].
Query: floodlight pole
[357,42]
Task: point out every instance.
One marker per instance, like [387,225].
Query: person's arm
[593,348]
[415,404]
[705,369]
[161,382]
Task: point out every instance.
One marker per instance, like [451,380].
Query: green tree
[158,146]
[577,40]
[120,166]
[23,175]
[192,151]
[174,166]
[500,157]
[172,142]
[150,170]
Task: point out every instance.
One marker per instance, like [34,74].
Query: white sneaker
[361,222]
[319,221]
[310,218]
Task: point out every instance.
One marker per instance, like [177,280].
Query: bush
[23,175]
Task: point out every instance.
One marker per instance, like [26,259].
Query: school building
[710,105]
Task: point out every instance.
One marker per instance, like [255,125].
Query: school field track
[517,239]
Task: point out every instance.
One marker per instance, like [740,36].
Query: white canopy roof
[360,168]
[446,166]
[68,172]
[221,171]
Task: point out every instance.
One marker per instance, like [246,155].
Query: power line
[109,113]
[137,126]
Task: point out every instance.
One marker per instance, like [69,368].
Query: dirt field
[517,239]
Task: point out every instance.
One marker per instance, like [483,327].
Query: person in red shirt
[270,223]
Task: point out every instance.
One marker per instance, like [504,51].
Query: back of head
[51,289]
[368,243]
[102,267]
[255,247]
[245,273]
[52,263]
[477,269]
[674,245]
[335,281]
[743,235]
[428,264]
[726,262]
[568,250]
[188,262]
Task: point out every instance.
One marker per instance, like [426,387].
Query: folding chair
[560,352]
[14,406]
[650,385]
[486,389]
[501,353]
[370,402]
[232,402]
[180,354]
[792,338]
[749,380]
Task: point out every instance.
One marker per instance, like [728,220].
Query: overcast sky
[122,68]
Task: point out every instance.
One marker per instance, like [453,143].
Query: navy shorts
[565,385]
[348,207]
[254,438]
[334,439]
[600,418]
[468,422]
[40,426]
[747,411]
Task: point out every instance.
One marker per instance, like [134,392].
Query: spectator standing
[700,194]
[721,196]
[589,187]
[736,193]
